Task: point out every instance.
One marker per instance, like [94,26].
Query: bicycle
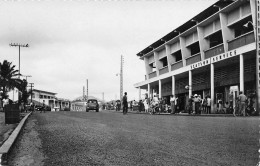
[153,109]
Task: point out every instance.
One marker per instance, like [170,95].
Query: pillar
[173,85]
[160,88]
[149,91]
[212,86]
[241,73]
[190,83]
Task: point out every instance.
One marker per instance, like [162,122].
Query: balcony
[152,74]
[163,70]
[176,65]
[193,59]
[241,40]
[214,51]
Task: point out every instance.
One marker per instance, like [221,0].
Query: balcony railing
[193,59]
[152,75]
[241,41]
[214,51]
[163,70]
[176,65]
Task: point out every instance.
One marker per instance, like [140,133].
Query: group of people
[196,104]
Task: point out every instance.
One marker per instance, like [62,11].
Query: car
[92,104]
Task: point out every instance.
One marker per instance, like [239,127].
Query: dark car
[92,104]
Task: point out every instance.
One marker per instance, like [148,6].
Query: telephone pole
[121,77]
[19,45]
[31,85]
[87,89]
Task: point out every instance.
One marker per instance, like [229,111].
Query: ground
[111,138]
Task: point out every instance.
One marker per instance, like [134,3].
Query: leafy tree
[8,78]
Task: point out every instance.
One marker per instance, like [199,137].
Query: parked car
[92,104]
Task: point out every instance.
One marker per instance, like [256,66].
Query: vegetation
[9,79]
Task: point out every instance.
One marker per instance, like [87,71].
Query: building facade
[213,54]
[49,99]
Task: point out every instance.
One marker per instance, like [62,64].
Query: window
[164,61]
[194,48]
[177,56]
[152,65]
[215,39]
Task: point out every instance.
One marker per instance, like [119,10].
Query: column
[173,85]
[149,91]
[160,88]
[241,73]
[212,86]
[190,83]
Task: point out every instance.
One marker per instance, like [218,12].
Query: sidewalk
[6,130]
[8,134]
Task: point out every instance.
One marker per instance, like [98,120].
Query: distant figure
[125,104]
[145,104]
[172,100]
[208,105]
[242,103]
[190,101]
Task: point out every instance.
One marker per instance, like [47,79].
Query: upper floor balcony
[176,65]
[241,41]
[163,70]
[218,49]
[193,59]
[152,74]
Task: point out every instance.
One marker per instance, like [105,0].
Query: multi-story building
[214,54]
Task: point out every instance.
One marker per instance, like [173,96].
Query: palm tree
[8,78]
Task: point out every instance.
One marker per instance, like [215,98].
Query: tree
[23,88]
[8,78]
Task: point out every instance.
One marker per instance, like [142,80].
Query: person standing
[146,104]
[208,105]
[197,103]
[190,101]
[172,100]
[125,104]
[242,103]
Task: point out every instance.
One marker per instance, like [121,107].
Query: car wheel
[97,110]
[87,110]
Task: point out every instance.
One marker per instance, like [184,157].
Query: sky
[72,41]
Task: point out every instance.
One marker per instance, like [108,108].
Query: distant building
[49,99]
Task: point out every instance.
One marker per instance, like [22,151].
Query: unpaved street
[111,138]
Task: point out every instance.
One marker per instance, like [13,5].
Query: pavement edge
[4,149]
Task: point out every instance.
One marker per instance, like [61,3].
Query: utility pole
[26,76]
[121,77]
[87,89]
[84,97]
[103,97]
[19,45]
[31,85]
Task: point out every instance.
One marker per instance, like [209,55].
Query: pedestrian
[146,105]
[204,105]
[125,104]
[190,101]
[197,103]
[176,104]
[43,108]
[208,105]
[172,100]
[242,103]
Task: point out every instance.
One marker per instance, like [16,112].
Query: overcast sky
[71,41]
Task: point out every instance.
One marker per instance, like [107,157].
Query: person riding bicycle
[154,103]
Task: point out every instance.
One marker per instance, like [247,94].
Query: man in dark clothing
[125,104]
[190,104]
